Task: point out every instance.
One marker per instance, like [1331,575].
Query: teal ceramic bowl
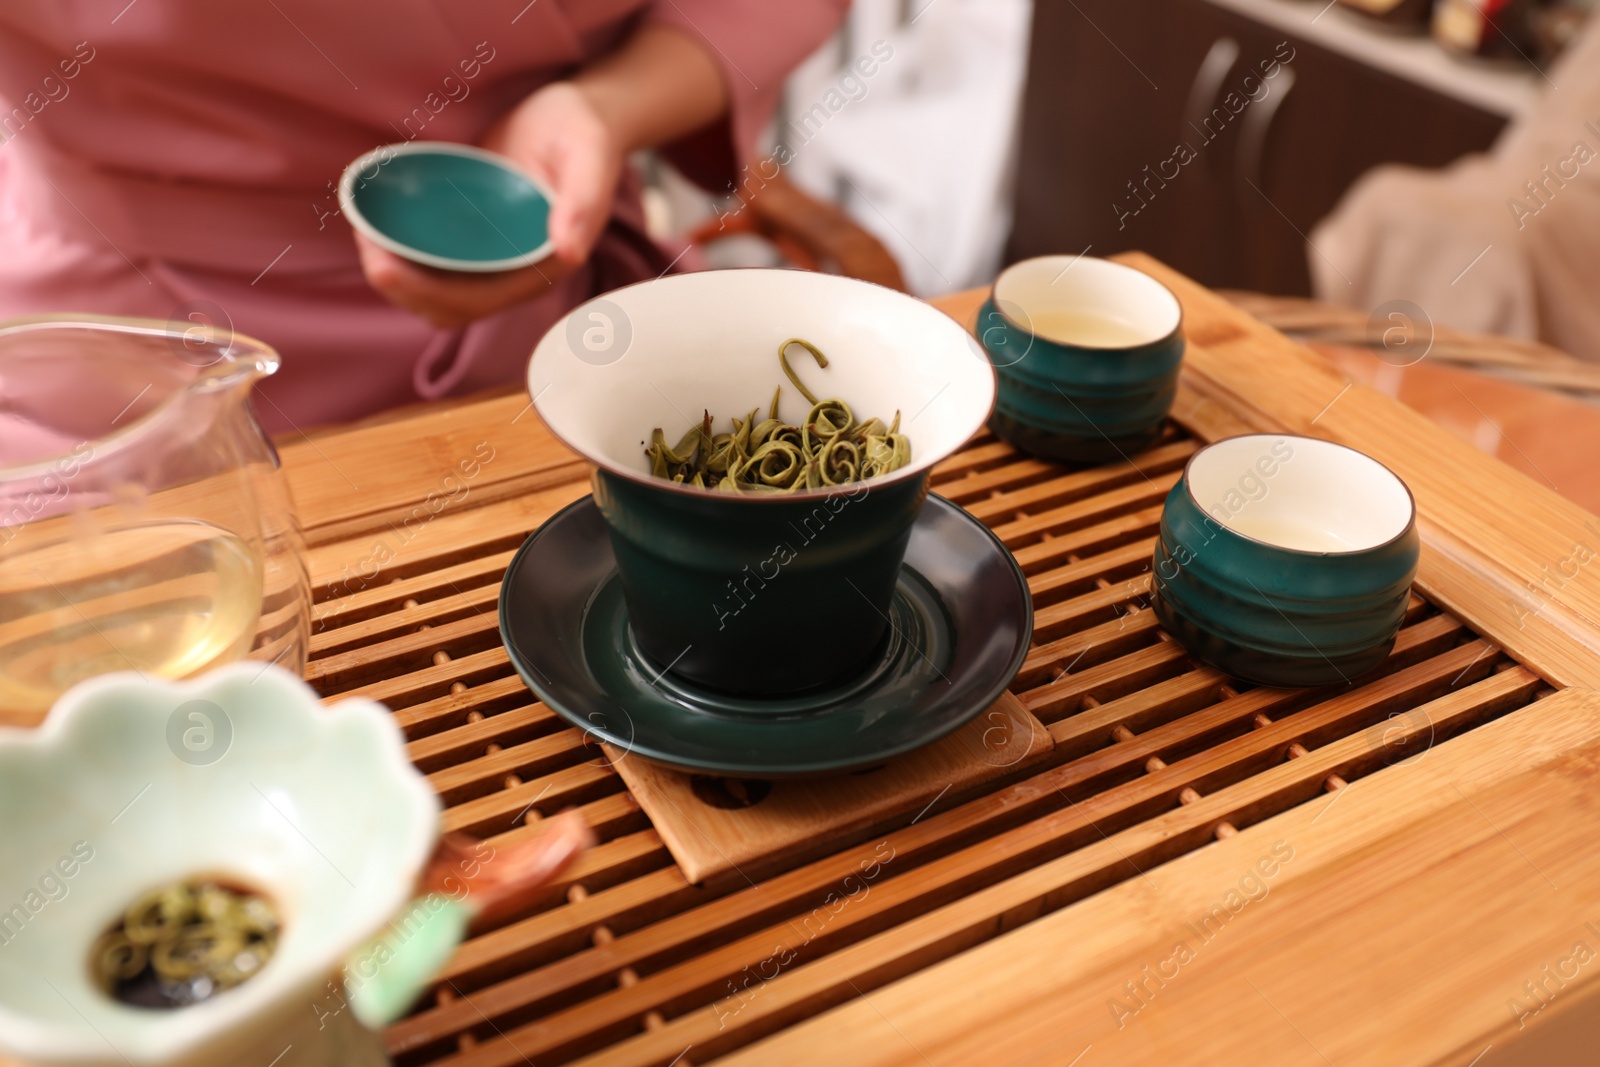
[1087,352]
[756,595]
[449,206]
[1286,560]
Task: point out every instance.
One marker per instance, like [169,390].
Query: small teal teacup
[1087,352]
[1286,560]
[448,206]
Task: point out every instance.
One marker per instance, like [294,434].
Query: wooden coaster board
[713,826]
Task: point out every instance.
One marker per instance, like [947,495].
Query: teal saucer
[450,206]
[961,622]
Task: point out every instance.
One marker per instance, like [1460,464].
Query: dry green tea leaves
[829,448]
[184,943]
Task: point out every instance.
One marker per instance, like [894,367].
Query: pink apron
[177,159]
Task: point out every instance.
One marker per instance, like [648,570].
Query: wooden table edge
[1066,969]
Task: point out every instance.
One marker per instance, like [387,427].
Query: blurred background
[908,120]
[1386,179]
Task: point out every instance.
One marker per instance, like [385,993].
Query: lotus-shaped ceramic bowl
[133,784]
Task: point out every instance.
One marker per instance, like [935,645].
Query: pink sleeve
[756,43]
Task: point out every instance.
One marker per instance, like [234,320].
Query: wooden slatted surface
[626,962]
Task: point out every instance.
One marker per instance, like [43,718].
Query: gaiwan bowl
[1088,353]
[1286,560]
[450,206]
[131,785]
[746,594]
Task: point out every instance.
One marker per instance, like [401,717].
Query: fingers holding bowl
[449,299]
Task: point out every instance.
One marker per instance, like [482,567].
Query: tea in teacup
[1289,533]
[1088,329]
[1087,353]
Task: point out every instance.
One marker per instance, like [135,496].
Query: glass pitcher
[145,523]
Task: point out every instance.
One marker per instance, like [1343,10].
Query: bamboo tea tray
[1197,872]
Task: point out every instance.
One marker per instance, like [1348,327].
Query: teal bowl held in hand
[756,595]
[448,206]
[1087,352]
[1286,560]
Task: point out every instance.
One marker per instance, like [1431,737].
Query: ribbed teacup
[1286,560]
[1087,351]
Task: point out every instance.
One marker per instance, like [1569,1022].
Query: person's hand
[450,298]
[558,136]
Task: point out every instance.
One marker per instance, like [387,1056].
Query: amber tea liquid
[168,599]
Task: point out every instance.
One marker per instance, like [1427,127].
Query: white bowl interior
[1088,302]
[709,342]
[317,807]
[1300,493]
